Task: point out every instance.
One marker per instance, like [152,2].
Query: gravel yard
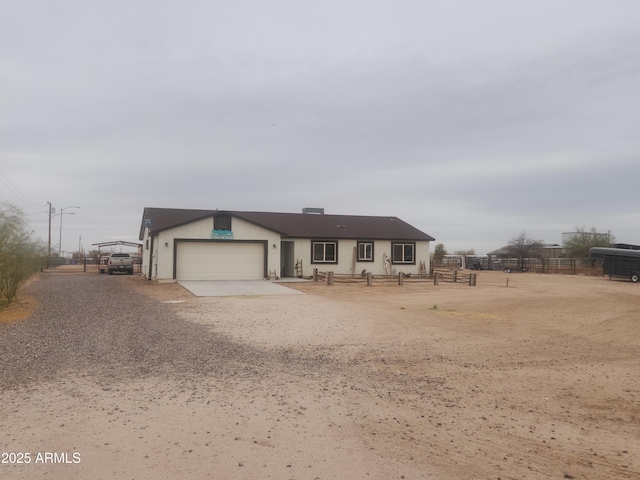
[103,327]
[118,377]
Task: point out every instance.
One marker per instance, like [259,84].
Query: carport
[121,243]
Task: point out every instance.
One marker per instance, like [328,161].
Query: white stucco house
[181,244]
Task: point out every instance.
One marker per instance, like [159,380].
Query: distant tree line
[522,246]
[20,255]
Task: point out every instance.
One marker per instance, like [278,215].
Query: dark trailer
[618,262]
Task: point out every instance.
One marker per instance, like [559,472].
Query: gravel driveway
[95,323]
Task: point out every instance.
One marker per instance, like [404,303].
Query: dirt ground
[524,376]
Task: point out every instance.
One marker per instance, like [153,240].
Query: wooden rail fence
[454,276]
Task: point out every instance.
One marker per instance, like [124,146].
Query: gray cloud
[472,121]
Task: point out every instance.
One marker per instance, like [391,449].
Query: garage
[220,260]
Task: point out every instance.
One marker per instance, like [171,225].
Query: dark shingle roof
[295,225]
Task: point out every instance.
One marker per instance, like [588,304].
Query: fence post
[330,278]
[315,274]
[472,280]
[400,278]
[369,279]
[436,281]
[455,275]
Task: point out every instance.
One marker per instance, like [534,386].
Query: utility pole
[49,248]
[61,214]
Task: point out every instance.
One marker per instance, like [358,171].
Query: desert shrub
[20,256]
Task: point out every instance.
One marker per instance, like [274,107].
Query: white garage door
[220,261]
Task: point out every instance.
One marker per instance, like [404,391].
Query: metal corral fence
[86,264]
[567,266]
[571,266]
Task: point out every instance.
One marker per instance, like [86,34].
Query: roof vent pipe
[316,211]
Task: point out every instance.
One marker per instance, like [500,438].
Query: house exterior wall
[158,252]
[345,265]
[162,261]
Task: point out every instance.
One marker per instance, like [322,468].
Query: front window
[403,253]
[365,251]
[324,252]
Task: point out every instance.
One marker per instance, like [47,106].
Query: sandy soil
[535,380]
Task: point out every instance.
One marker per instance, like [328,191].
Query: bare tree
[579,244]
[522,246]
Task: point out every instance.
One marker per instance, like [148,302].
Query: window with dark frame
[222,222]
[324,252]
[403,253]
[365,251]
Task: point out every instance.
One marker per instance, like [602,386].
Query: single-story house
[181,244]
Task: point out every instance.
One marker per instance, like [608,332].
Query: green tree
[20,256]
[579,244]
[439,252]
[522,246]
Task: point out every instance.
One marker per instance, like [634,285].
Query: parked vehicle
[103,264]
[120,262]
[477,262]
[514,269]
[618,262]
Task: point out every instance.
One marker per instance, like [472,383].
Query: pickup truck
[120,262]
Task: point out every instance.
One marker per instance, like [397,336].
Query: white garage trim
[196,259]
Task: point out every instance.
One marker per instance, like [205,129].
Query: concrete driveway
[233,288]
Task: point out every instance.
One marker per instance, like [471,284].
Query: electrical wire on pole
[13,189]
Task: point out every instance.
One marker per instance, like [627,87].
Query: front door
[287,259]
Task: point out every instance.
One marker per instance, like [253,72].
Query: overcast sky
[473,120]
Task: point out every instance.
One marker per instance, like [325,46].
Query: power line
[13,189]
